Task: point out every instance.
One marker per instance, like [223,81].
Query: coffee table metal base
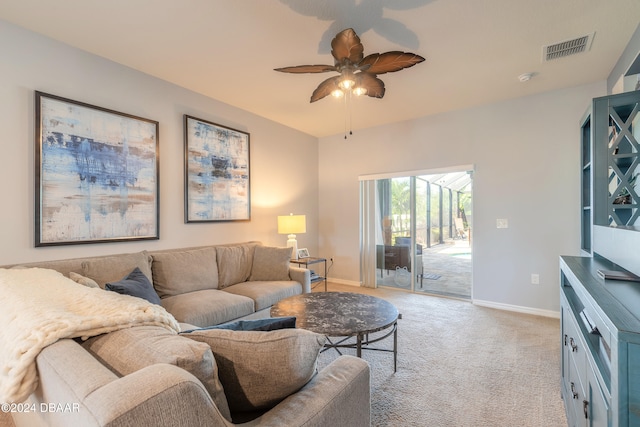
[344,315]
[363,342]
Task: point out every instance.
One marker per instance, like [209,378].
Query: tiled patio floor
[447,271]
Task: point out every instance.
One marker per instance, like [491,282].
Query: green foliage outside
[401,209]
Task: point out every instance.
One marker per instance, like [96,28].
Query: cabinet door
[596,404]
[572,368]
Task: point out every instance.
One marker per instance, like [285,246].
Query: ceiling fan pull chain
[350,115]
[344,105]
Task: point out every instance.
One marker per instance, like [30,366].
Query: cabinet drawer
[573,344]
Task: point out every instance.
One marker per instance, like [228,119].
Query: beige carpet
[463,365]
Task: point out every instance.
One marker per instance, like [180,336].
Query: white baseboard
[489,304]
[518,308]
[345,282]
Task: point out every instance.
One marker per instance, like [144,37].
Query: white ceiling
[227,49]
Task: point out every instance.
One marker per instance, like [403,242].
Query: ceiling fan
[358,74]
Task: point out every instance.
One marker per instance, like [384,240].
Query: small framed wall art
[217,177]
[96,174]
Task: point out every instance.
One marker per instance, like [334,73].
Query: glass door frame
[368,202]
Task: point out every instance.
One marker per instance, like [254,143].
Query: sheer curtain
[370,232]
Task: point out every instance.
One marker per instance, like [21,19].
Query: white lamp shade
[292,224]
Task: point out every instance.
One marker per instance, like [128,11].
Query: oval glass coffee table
[346,315]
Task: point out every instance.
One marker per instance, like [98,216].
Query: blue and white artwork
[217,172]
[98,174]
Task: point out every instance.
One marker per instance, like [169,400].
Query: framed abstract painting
[97,177]
[217,178]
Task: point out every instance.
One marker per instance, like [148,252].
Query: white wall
[31,62]
[526,157]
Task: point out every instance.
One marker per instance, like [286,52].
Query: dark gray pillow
[135,284]
[270,324]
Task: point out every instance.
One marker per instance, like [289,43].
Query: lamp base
[293,243]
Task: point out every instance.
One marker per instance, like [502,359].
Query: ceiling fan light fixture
[347,80]
[358,75]
[359,91]
[337,93]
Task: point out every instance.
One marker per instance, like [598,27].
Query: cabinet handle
[574,346]
[573,390]
[585,408]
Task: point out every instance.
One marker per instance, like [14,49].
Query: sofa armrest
[85,393]
[338,396]
[158,395]
[302,276]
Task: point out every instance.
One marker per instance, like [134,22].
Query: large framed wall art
[97,177]
[217,179]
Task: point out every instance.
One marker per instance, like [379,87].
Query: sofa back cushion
[182,271]
[128,350]
[270,263]
[234,264]
[114,267]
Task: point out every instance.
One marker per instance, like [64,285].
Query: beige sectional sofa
[201,286]
[150,376]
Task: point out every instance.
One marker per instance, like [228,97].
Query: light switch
[502,223]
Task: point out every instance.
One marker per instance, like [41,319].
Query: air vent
[566,48]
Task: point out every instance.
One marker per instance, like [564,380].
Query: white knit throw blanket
[40,306]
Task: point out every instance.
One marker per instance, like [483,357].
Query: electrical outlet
[502,223]
[535,279]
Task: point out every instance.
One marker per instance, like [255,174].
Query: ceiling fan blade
[374,86]
[306,69]
[346,45]
[325,88]
[380,63]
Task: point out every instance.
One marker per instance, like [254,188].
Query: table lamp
[292,225]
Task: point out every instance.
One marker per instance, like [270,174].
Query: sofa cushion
[265,294]
[270,263]
[115,267]
[128,350]
[234,264]
[207,308]
[260,369]
[177,272]
[135,284]
[85,281]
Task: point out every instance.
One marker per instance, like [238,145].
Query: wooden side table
[306,262]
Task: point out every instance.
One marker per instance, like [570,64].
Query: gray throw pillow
[135,284]
[270,263]
[269,324]
[260,369]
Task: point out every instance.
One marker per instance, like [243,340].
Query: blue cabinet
[600,338]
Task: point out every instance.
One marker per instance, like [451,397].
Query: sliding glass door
[395,259]
[406,217]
